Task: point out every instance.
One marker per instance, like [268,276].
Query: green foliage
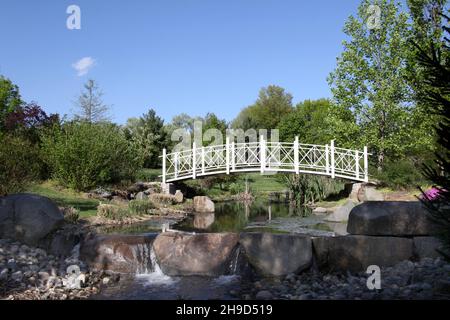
[19,164]
[148,136]
[9,99]
[308,189]
[148,175]
[112,212]
[370,80]
[318,122]
[141,207]
[83,155]
[71,215]
[435,62]
[401,174]
[272,105]
[162,199]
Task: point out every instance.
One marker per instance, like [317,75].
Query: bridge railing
[264,156]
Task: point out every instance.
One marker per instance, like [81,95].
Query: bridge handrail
[265,156]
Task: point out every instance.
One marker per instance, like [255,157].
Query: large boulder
[390,218]
[427,247]
[277,254]
[28,218]
[179,197]
[205,254]
[118,253]
[341,213]
[203,204]
[356,253]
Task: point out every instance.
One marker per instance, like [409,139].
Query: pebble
[264,295]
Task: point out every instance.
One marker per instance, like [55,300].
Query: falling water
[147,267]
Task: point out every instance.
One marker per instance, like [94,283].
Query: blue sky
[193,56]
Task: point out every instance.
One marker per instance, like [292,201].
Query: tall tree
[370,78]
[148,135]
[10,99]
[272,105]
[90,104]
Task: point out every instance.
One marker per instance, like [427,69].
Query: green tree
[90,104]
[82,155]
[10,100]
[370,79]
[149,137]
[272,105]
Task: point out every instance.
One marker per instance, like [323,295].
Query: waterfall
[234,261]
[147,267]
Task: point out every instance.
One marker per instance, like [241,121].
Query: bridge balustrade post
[327,159]
[203,160]
[262,150]
[164,166]
[227,153]
[366,165]
[194,160]
[175,161]
[233,156]
[357,164]
[296,156]
[332,159]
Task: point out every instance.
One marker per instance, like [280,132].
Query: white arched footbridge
[265,156]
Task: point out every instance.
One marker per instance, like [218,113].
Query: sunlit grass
[66,197]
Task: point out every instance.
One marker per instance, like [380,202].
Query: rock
[179,196]
[390,218]
[341,213]
[28,218]
[168,188]
[12,265]
[118,253]
[141,196]
[203,204]
[425,247]
[369,193]
[106,281]
[203,220]
[206,254]
[4,274]
[277,254]
[355,253]
[264,295]
[17,276]
[319,211]
[354,191]
[61,243]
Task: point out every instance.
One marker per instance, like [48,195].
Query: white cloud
[83,65]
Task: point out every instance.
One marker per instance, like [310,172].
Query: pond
[235,216]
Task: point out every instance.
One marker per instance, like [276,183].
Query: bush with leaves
[19,164]
[401,174]
[84,155]
[141,207]
[307,189]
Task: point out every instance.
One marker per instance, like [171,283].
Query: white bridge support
[264,156]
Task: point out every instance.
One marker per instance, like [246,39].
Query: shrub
[19,164]
[141,207]
[162,198]
[71,214]
[83,155]
[112,212]
[402,174]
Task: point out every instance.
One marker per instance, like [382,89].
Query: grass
[264,183]
[66,198]
[149,175]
